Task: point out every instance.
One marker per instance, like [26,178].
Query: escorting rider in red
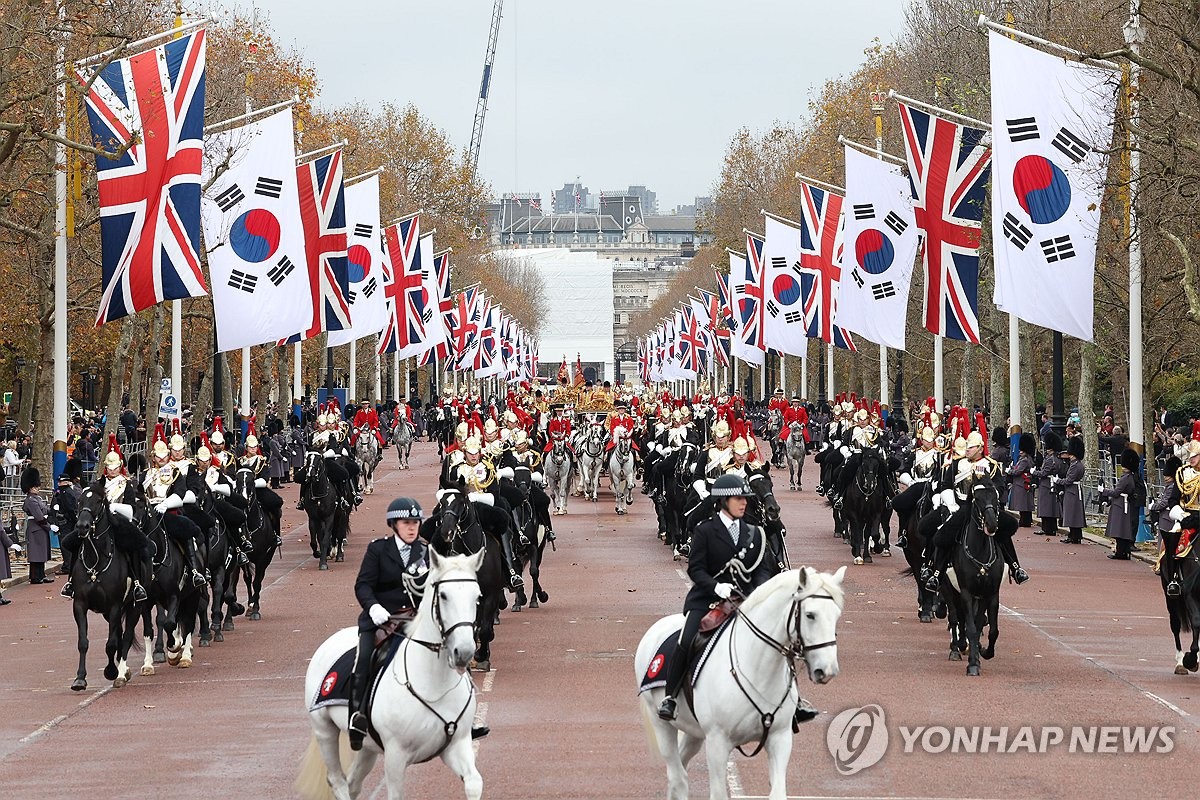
[621,418]
[778,403]
[369,417]
[559,427]
[794,413]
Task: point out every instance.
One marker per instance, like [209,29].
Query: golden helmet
[252,441]
[322,419]
[203,453]
[510,417]
[847,407]
[489,427]
[471,445]
[1192,449]
[974,439]
[217,437]
[861,416]
[928,434]
[160,449]
[959,448]
[177,443]
[740,446]
[520,438]
[934,420]
[113,460]
[461,431]
[685,412]
[721,430]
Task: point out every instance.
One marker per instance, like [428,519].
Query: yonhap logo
[857,738]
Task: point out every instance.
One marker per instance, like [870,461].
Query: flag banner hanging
[949,166]
[364,263]
[404,330]
[1052,123]
[464,332]
[433,329]
[698,314]
[715,325]
[323,214]
[745,293]
[783,323]
[441,264]
[150,196]
[820,264]
[881,238]
[253,234]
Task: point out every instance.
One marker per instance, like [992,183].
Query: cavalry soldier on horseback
[165,488]
[920,468]
[220,492]
[221,456]
[270,502]
[125,506]
[478,475]
[523,455]
[558,428]
[193,508]
[720,454]
[1186,512]
[368,417]
[338,464]
[953,502]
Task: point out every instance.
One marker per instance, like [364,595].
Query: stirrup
[1173,588]
[902,541]
[1019,575]
[514,580]
[242,558]
[198,578]
[550,537]
[68,590]
[931,584]
[139,592]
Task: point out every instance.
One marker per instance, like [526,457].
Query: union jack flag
[717,328]
[485,353]
[405,329]
[948,166]
[691,343]
[465,331]
[150,197]
[750,295]
[323,215]
[441,266]
[644,360]
[820,264]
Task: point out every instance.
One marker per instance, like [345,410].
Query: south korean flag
[250,216]
[1052,121]
[364,259]
[881,245]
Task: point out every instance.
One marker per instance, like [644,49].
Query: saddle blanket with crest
[335,686]
[658,669]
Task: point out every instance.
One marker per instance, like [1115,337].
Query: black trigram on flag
[778,262]
[369,289]
[793,317]
[864,211]
[363,230]
[281,270]
[269,187]
[1022,129]
[893,221]
[230,197]
[350,295]
[857,278]
[1070,145]
[882,290]
[772,309]
[242,281]
[427,315]
[1058,249]
[797,269]
[1015,232]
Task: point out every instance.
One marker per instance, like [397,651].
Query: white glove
[948,500]
[54,529]
[221,489]
[1053,480]
[701,487]
[537,478]
[723,590]
[845,451]
[906,479]
[482,497]
[330,454]
[123,509]
[169,504]
[16,548]
[1177,513]
[260,483]
[189,497]
[505,472]
[378,613]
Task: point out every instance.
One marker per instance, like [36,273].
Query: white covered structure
[579,293]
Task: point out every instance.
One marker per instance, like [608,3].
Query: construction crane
[484,86]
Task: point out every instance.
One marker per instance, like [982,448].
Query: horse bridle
[977,518]
[459,530]
[790,652]
[86,536]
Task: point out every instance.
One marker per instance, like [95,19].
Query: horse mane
[789,581]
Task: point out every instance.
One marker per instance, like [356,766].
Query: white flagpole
[245,382]
[1134,36]
[735,387]
[829,392]
[396,376]
[804,372]
[762,379]
[62,407]
[1014,372]
[939,375]
[783,373]
[877,106]
[297,382]
[378,378]
[354,370]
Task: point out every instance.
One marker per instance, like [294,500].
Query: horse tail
[908,571]
[648,726]
[312,781]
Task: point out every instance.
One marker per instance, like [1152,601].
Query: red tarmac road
[1084,643]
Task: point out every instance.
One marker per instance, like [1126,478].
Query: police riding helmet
[731,485]
[403,508]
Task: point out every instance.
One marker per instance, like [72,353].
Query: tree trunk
[116,384]
[154,371]
[285,381]
[1026,401]
[231,413]
[966,376]
[1087,373]
[997,391]
[266,394]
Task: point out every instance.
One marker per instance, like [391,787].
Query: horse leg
[327,735]
[148,657]
[460,758]
[993,616]
[971,630]
[395,762]
[112,668]
[323,539]
[672,750]
[779,750]
[718,747]
[256,590]
[160,622]
[81,625]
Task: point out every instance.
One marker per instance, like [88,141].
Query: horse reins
[789,652]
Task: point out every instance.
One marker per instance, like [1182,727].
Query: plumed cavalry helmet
[974,439]
[721,430]
[404,508]
[731,485]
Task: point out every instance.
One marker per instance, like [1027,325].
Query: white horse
[621,469]
[402,437]
[795,452]
[366,453]
[591,459]
[558,466]
[424,704]
[747,678]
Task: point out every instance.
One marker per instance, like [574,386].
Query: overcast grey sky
[617,92]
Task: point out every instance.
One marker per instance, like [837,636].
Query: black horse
[530,542]
[171,594]
[1184,608]
[454,528]
[681,469]
[328,520]
[972,584]
[862,507]
[263,543]
[915,547]
[102,578]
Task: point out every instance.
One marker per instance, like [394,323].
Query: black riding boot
[197,565]
[1009,550]
[1167,564]
[933,569]
[510,560]
[139,568]
[359,690]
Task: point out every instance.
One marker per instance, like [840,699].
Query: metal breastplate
[477,478]
[718,459]
[159,481]
[1188,481]
[114,488]
[924,463]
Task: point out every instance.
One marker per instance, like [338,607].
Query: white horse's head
[818,603]
[452,595]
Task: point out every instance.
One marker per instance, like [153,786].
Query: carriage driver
[727,559]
